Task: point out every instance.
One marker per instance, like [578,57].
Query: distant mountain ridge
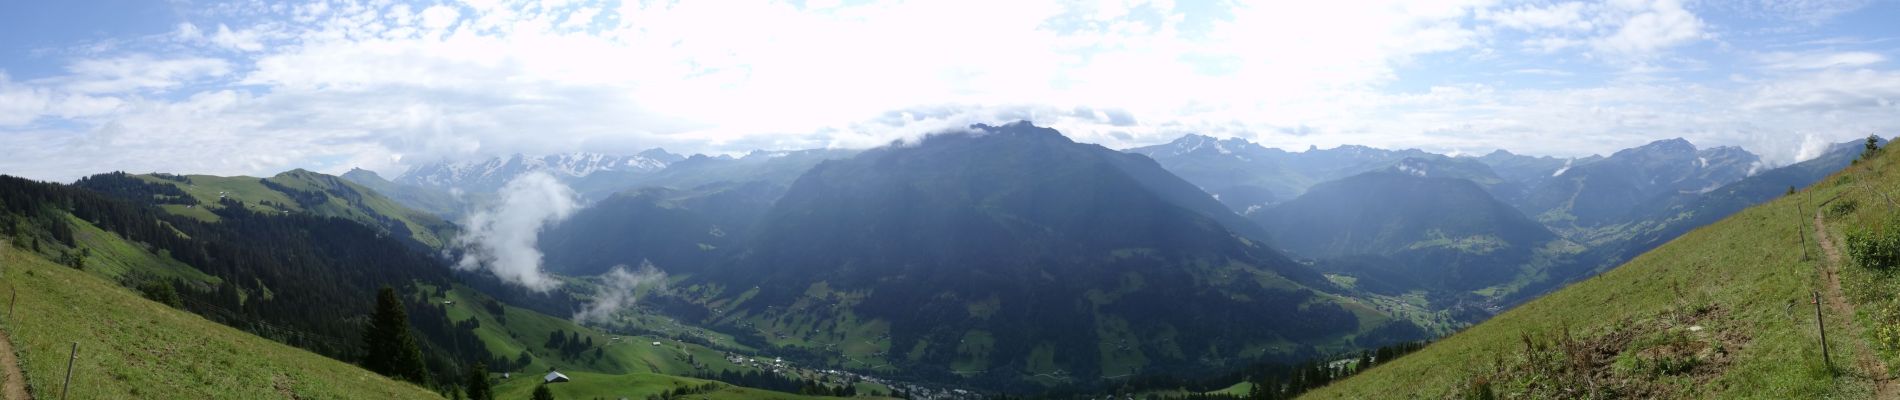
[1247,176]
[490,174]
[1603,191]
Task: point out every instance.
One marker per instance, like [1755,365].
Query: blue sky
[256,87]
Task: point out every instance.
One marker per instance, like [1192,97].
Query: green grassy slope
[132,348]
[114,257]
[525,330]
[344,199]
[1721,312]
[630,366]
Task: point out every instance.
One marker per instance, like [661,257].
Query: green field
[588,385]
[132,348]
[1722,312]
[114,257]
[525,330]
[346,200]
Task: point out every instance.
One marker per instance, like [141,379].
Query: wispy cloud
[501,240]
[139,72]
[1820,59]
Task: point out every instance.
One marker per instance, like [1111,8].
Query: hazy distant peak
[495,171]
[1022,128]
[662,155]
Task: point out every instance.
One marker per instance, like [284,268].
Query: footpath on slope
[1885,387]
[15,384]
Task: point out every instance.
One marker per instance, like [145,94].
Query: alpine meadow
[949,200]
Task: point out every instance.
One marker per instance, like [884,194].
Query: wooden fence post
[1802,220]
[63,388]
[1822,323]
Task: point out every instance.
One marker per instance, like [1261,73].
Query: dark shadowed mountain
[1011,254]
[1433,232]
[680,218]
[676,230]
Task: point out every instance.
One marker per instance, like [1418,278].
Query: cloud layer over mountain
[254,88]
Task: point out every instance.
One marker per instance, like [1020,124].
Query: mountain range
[924,259]
[950,261]
[491,174]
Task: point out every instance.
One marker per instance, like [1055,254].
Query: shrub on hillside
[1877,248]
[1842,208]
[1888,333]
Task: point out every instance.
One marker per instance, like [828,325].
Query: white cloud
[1567,16]
[330,86]
[1651,26]
[1627,31]
[501,239]
[139,72]
[439,17]
[187,32]
[245,40]
[618,290]
[1804,11]
[1820,60]
[1831,92]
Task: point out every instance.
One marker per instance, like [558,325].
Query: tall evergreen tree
[392,349]
[478,383]
[542,393]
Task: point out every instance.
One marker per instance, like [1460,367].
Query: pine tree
[542,393]
[392,349]
[478,383]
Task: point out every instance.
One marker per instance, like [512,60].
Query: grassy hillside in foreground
[1722,312]
[132,348]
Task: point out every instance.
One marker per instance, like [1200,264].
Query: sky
[258,87]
